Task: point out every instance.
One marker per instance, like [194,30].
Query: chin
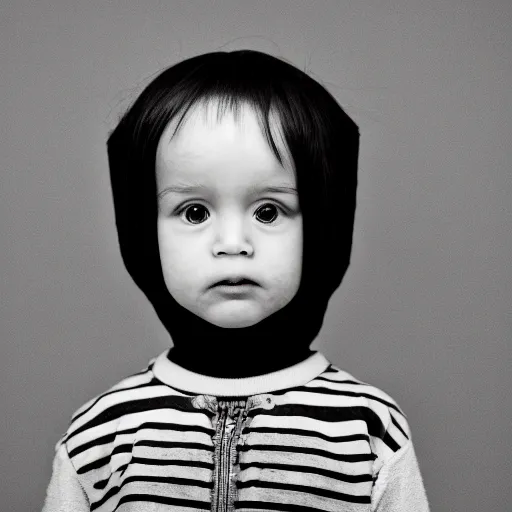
[233,314]
[234,324]
[233,321]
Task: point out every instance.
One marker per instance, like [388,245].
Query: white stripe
[284,440]
[191,454]
[121,397]
[334,429]
[305,459]
[194,473]
[320,400]
[306,479]
[280,496]
[159,489]
[338,375]
[134,420]
[171,416]
[125,383]
[91,434]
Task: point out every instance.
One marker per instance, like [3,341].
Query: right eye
[194,208]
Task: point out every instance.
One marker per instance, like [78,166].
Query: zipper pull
[207,402]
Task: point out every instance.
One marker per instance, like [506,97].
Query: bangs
[277,91]
[268,118]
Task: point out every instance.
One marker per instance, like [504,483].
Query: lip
[234,279]
[235,289]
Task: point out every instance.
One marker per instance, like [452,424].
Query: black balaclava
[276,342]
[282,339]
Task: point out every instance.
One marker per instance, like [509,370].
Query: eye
[194,213]
[194,208]
[269,207]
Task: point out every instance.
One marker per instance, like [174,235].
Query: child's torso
[147,447]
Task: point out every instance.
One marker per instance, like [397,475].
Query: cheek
[176,257]
[178,271]
[286,258]
[296,257]
[177,262]
[291,248]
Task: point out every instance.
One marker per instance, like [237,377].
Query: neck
[246,360]
[277,342]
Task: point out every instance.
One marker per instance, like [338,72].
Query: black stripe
[94,465]
[148,462]
[305,489]
[344,381]
[105,498]
[327,414]
[151,498]
[135,406]
[127,448]
[112,392]
[344,457]
[308,433]
[145,425]
[175,444]
[157,479]
[109,438]
[280,507]
[170,462]
[391,442]
[309,469]
[397,425]
[169,480]
[355,394]
[101,484]
[122,448]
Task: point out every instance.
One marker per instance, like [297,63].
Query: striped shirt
[310,437]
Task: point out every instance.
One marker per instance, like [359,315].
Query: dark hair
[322,139]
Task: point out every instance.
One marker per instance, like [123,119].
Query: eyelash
[183,209]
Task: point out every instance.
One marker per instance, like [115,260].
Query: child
[234,183]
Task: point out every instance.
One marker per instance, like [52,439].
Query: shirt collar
[182,379]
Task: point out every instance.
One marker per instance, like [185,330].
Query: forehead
[211,138]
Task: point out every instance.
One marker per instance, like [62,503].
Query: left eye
[268,207]
[268,212]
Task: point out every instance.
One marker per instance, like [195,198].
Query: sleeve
[64,493]
[399,485]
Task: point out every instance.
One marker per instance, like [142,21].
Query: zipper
[228,423]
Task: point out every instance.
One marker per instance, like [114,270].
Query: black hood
[278,341]
[324,144]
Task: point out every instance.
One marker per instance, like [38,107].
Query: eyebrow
[189,189]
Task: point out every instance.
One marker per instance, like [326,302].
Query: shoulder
[101,415]
[387,423]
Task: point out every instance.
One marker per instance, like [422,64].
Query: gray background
[424,311]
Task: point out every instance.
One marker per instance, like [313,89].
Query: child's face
[231,226]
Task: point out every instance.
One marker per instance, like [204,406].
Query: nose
[232,237]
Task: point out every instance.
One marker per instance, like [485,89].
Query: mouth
[234,283]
